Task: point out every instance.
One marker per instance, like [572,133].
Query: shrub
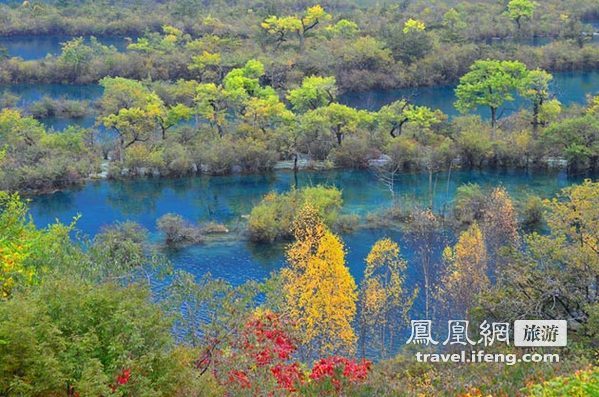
[469,203]
[347,223]
[532,215]
[354,153]
[273,217]
[141,156]
[177,159]
[403,152]
[177,230]
[73,338]
[581,383]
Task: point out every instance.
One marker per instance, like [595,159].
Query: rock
[381,161]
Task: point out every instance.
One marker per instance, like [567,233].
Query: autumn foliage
[260,361]
[320,293]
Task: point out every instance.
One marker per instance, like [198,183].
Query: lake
[226,199]
[30,47]
[568,87]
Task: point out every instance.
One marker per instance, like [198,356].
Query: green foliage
[489,83]
[584,382]
[392,117]
[70,337]
[532,216]
[314,92]
[577,138]
[519,9]
[469,203]
[273,217]
[566,256]
[37,160]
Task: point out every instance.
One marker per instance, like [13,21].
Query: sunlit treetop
[413,25]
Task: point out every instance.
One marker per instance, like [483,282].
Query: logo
[529,333]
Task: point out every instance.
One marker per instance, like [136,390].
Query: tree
[314,92]
[167,116]
[212,104]
[557,273]
[574,30]
[424,234]
[519,9]
[132,125]
[282,27]
[489,83]
[320,292]
[267,113]
[466,275]
[392,117]
[17,131]
[73,338]
[535,88]
[454,26]
[577,139]
[499,223]
[344,28]
[206,64]
[129,108]
[27,253]
[75,55]
[339,119]
[241,91]
[120,252]
[384,302]
[410,41]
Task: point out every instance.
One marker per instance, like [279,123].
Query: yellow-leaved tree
[320,293]
[499,224]
[466,276]
[384,302]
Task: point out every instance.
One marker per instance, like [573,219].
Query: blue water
[568,87]
[225,199]
[30,47]
[29,93]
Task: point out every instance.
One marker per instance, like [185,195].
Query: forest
[241,197]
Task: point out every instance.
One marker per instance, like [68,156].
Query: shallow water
[225,199]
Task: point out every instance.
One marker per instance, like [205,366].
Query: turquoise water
[226,199]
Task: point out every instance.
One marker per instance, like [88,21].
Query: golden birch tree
[384,302]
[466,276]
[320,293]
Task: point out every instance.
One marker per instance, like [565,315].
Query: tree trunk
[535,119]
[493,119]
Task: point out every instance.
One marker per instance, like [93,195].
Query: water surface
[30,47]
[226,199]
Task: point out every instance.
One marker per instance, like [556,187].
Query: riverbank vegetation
[222,87]
[363,46]
[244,125]
[64,307]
